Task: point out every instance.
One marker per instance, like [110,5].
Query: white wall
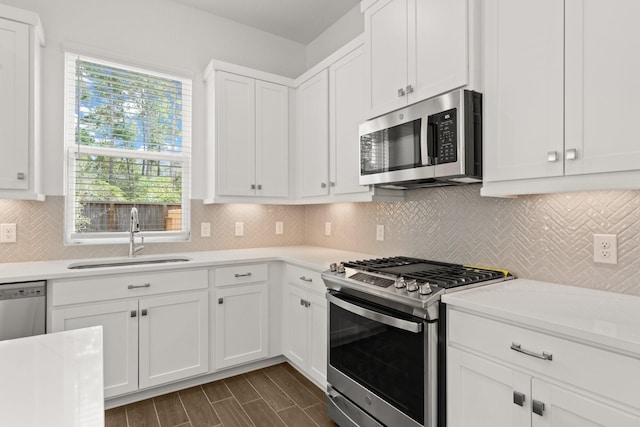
[342,31]
[158,33]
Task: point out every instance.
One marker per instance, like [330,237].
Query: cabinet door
[602,85]
[385,27]
[438,58]
[242,324]
[14,105]
[564,408]
[174,337]
[313,136]
[235,135]
[295,326]
[119,321]
[346,96]
[524,92]
[272,140]
[480,393]
[317,312]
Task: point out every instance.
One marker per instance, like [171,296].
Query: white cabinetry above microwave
[560,96]
[247,134]
[21,42]
[414,50]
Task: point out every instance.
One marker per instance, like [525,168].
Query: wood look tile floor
[274,396]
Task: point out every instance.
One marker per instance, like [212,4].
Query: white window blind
[128,143]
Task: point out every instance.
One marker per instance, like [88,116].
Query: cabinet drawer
[593,369]
[241,273]
[305,278]
[116,286]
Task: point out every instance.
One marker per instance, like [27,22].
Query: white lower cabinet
[149,339]
[304,323]
[490,384]
[242,324]
[241,320]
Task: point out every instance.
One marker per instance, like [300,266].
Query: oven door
[382,361]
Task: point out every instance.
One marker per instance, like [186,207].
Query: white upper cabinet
[313,135]
[523,94]
[602,86]
[346,102]
[330,110]
[415,49]
[248,134]
[559,97]
[21,42]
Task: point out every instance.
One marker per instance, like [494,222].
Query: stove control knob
[412,285]
[400,283]
[340,268]
[425,289]
[333,267]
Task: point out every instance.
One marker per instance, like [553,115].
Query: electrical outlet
[205,229]
[8,233]
[239,229]
[327,229]
[279,227]
[605,248]
[380,232]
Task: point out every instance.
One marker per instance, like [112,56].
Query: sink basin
[125,262]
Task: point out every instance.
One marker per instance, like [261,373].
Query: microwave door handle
[413,327]
[432,137]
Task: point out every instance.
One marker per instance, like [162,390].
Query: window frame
[73,149]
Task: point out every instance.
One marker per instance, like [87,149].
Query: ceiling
[298,20]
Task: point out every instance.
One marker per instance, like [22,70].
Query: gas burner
[407,282]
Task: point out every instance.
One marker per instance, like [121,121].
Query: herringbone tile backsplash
[543,237]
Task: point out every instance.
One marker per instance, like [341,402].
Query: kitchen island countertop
[53,380]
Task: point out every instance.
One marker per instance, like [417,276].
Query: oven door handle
[406,325]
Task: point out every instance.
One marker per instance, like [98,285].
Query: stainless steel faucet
[134,227]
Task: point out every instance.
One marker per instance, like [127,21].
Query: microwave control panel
[446,136]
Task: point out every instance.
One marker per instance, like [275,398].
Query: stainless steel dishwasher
[22,309]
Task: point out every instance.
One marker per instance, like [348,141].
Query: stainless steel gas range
[386,361]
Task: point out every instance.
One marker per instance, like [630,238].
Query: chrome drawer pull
[519,349]
[304,279]
[146,285]
[243,275]
[518,398]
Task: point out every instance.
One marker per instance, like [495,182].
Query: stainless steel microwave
[431,143]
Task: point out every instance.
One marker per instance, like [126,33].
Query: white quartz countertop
[52,380]
[600,318]
[313,258]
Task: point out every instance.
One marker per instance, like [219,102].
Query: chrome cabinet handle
[253,186]
[304,279]
[243,275]
[544,356]
[572,154]
[143,312]
[146,285]
[401,92]
[537,407]
[552,156]
[134,313]
[220,300]
[323,185]
[409,89]
[259,186]
[518,398]
[332,184]
[21,175]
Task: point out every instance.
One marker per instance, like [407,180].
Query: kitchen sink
[125,262]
